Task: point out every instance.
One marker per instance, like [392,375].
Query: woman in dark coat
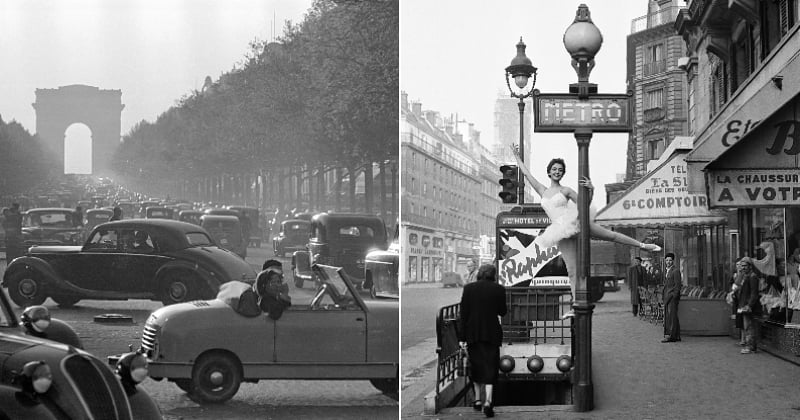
[481,304]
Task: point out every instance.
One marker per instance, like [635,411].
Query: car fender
[142,405]
[212,281]
[15,405]
[61,331]
[28,263]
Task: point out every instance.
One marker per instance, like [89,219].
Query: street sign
[564,112]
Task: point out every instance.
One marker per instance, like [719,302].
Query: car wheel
[215,378]
[177,288]
[65,301]
[26,288]
[184,384]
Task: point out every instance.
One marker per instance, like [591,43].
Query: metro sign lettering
[565,112]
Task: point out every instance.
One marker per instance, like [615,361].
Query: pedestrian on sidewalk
[672,297]
[733,300]
[749,305]
[482,302]
[472,271]
[636,278]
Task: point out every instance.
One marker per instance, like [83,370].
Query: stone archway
[100,110]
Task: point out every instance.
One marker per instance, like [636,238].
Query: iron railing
[662,17]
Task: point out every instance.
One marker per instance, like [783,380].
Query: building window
[718,86]
[655,148]
[654,105]
[654,61]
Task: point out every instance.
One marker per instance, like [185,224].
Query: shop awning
[661,198]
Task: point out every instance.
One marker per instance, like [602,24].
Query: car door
[139,260]
[323,333]
[98,265]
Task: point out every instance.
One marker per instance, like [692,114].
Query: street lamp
[582,40]
[521,69]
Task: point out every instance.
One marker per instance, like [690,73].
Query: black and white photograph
[200,207]
[627,172]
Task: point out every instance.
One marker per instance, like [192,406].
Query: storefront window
[412,269]
[437,269]
[426,269]
[791,279]
[770,261]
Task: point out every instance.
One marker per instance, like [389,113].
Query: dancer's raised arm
[537,186]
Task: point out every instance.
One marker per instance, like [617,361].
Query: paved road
[276,399]
[637,377]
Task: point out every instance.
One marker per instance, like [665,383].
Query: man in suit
[636,278]
[479,328]
[672,297]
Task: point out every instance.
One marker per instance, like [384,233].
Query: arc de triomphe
[99,109]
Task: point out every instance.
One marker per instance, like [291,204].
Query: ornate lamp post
[583,40]
[521,69]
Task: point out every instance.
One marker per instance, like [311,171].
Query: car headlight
[36,319]
[132,367]
[36,377]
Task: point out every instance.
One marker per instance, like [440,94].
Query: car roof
[155,225]
[49,209]
[347,217]
[295,221]
[219,218]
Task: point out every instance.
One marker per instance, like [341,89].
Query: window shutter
[783,11]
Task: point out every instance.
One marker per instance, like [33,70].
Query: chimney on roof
[416,108]
[404,100]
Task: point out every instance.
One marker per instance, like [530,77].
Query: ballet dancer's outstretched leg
[569,253]
[599,232]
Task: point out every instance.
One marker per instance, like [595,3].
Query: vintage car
[45,374]
[381,272]
[208,349]
[128,208]
[159,212]
[256,232]
[190,216]
[292,237]
[95,217]
[50,226]
[226,231]
[145,204]
[175,262]
[340,239]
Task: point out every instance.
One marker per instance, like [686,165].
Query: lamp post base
[583,388]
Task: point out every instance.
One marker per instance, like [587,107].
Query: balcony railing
[654,67]
[652,20]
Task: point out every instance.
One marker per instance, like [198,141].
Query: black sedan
[156,259]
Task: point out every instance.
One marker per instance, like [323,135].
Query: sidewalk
[635,376]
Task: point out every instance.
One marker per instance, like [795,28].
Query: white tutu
[563,214]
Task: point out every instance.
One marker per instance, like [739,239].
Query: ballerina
[560,204]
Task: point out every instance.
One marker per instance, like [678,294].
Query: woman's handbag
[462,362]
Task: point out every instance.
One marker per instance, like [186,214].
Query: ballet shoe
[651,247]
[570,314]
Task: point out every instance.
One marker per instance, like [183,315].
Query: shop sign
[415,250]
[663,194]
[754,187]
[558,112]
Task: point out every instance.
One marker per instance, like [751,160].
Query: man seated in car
[140,243]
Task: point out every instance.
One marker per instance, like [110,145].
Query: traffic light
[510,183]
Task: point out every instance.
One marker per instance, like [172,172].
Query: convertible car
[208,349]
[156,259]
[44,374]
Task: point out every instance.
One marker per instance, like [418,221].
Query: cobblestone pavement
[635,376]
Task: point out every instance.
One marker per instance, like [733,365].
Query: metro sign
[564,112]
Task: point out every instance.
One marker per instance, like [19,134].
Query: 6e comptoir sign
[564,112]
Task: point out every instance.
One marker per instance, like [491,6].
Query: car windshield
[335,279]
[199,239]
[55,219]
